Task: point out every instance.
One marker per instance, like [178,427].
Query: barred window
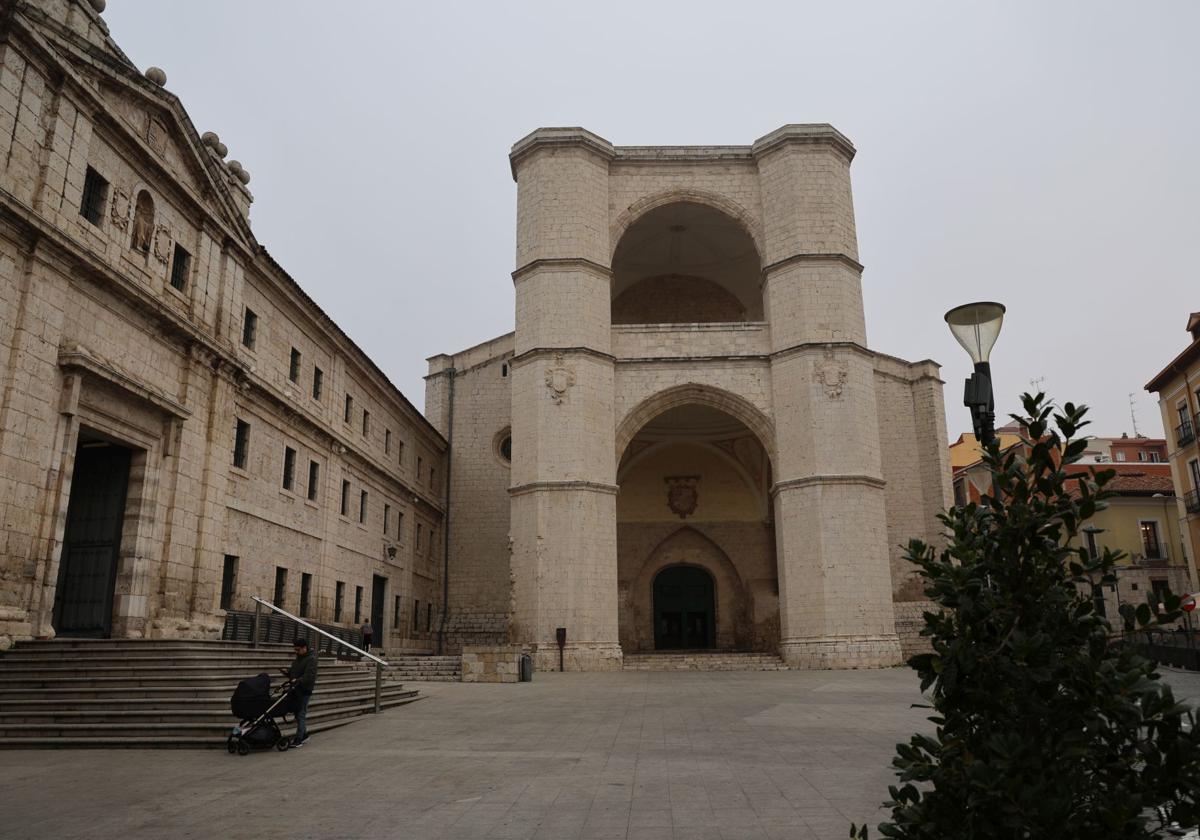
[181,266]
[95,192]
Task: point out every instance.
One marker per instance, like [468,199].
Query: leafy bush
[1046,726]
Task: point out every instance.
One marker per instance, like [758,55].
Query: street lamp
[976,326]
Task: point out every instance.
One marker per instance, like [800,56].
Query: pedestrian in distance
[368,635]
[303,671]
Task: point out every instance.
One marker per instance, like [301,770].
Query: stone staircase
[426,668]
[159,693]
[703,660]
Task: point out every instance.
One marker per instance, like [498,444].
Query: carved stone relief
[122,203]
[162,243]
[682,494]
[156,134]
[559,379]
[831,375]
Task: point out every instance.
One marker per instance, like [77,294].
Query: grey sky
[1040,154]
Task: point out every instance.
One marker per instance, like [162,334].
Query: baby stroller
[257,706]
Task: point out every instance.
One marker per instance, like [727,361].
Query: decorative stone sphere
[210,139]
[235,166]
[243,175]
[98,5]
[222,149]
[156,75]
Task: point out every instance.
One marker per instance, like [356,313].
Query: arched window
[143,223]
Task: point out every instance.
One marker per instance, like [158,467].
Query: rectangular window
[400,525]
[95,193]
[432,477]
[305,593]
[419,467]
[387,515]
[357,604]
[249,328]
[1159,588]
[417,539]
[289,468]
[314,480]
[1182,411]
[1120,455]
[396,615]
[400,452]
[432,542]
[416,614]
[1141,454]
[339,598]
[366,422]
[349,408]
[1194,469]
[345,498]
[362,506]
[387,441]
[181,267]
[280,585]
[428,615]
[318,381]
[228,581]
[294,366]
[1150,542]
[241,445]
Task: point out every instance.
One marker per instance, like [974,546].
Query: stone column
[835,591]
[563,492]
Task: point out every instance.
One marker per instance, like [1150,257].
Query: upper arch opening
[686,263]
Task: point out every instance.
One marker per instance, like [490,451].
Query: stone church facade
[181,427]
[686,442]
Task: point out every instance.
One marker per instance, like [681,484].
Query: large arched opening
[684,263]
[694,495]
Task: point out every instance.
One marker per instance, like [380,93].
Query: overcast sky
[1041,154]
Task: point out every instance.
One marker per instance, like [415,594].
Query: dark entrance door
[378,593]
[684,613]
[87,574]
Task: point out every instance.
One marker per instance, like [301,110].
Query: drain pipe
[446,521]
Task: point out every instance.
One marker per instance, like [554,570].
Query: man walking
[368,635]
[304,671]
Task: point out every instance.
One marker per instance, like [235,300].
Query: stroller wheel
[283,743]
[230,745]
[243,748]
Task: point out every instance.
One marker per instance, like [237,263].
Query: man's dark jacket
[304,671]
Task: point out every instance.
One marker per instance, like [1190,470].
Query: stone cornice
[77,359]
[557,137]
[538,352]
[852,346]
[805,134]
[560,264]
[828,480]
[576,485]
[845,260]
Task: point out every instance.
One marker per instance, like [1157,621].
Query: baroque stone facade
[181,427]
[687,443]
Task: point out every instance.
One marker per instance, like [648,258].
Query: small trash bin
[526,668]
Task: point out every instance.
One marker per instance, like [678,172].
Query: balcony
[1191,501]
[1185,433]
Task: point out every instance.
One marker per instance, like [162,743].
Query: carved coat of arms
[832,377]
[559,379]
[682,494]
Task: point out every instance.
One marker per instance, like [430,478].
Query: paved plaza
[685,756]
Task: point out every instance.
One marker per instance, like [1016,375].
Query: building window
[249,328]
[400,452]
[1150,544]
[1194,469]
[339,598]
[387,441]
[95,193]
[181,266]
[416,614]
[1159,589]
[349,408]
[419,465]
[280,585]
[504,370]
[314,480]
[387,515]
[396,615]
[241,445]
[1120,455]
[400,526]
[432,542]
[366,422]
[357,604]
[305,593]
[318,381]
[1155,457]
[289,468]
[362,506]
[228,581]
[345,498]
[432,479]
[417,539]
[294,366]
[428,616]
[143,223]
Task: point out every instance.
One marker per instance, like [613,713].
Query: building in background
[1178,389]
[181,426]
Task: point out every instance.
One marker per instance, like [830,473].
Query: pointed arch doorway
[684,609]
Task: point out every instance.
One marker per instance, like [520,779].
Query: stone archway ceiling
[693,422]
[687,239]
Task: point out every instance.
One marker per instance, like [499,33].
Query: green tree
[1046,727]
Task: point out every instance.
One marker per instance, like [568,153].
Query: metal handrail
[1185,433]
[380,664]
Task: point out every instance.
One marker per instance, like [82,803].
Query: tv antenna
[1133,415]
[1036,384]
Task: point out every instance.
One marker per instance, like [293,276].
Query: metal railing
[1191,501]
[1185,433]
[380,664]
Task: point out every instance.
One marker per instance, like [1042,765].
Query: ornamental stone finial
[156,75]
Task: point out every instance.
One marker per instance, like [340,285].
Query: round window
[502,446]
[506,448]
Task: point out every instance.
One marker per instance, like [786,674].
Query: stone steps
[160,693]
[703,661]
[427,668]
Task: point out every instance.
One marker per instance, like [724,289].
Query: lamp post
[976,326]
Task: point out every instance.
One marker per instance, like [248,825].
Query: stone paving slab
[633,755]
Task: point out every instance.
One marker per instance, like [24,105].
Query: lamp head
[976,326]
